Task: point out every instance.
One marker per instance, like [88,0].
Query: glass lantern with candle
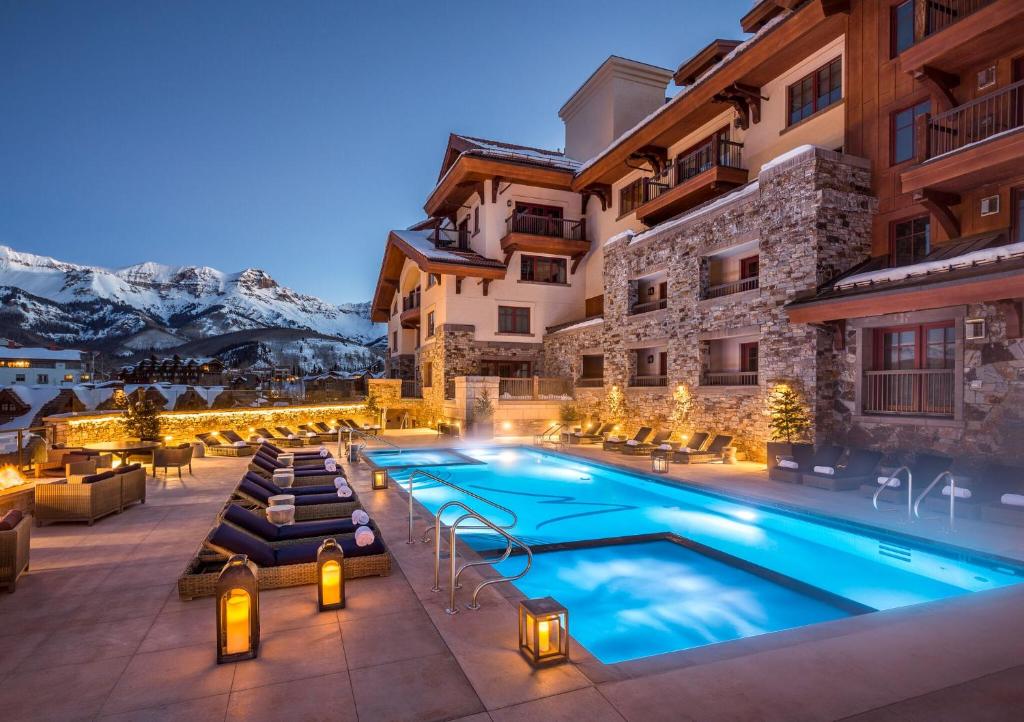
[659,463]
[238,611]
[543,631]
[330,576]
[380,479]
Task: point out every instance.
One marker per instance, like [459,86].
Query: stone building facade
[808,218]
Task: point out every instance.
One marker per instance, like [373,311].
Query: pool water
[561,500]
[419,458]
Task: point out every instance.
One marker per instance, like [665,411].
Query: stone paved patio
[96,631]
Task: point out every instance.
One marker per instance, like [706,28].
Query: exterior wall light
[380,479]
[543,631]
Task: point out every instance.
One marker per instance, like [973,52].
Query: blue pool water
[560,500]
[419,458]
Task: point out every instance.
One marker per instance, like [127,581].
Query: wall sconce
[380,479]
[238,611]
[543,631]
[330,576]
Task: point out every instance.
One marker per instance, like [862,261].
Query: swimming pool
[562,501]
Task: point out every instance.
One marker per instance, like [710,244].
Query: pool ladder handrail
[450,485]
[364,440]
[455,571]
[910,490]
[952,496]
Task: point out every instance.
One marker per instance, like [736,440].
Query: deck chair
[807,459]
[643,449]
[713,452]
[642,435]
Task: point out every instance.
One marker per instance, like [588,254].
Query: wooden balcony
[410,317]
[958,35]
[540,234]
[974,144]
[699,176]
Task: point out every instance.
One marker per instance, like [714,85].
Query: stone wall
[564,349]
[811,218]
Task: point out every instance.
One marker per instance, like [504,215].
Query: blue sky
[284,135]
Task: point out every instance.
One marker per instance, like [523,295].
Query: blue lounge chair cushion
[305,553]
[238,542]
[297,491]
[252,522]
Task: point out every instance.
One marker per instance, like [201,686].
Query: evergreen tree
[789,419]
[141,419]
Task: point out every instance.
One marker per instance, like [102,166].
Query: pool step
[894,551]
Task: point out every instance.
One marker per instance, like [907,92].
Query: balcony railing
[412,300]
[646,381]
[532,388]
[713,153]
[648,306]
[543,226]
[447,237]
[729,378]
[975,121]
[727,289]
[411,389]
[590,382]
[911,392]
[449,389]
[940,14]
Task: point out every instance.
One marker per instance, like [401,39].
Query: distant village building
[202,371]
[40,366]
[333,386]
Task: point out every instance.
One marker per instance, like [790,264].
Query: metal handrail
[952,496]
[450,485]
[365,436]
[455,571]
[910,490]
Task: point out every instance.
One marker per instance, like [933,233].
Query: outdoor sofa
[15,537]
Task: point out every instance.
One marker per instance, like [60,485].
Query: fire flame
[10,477]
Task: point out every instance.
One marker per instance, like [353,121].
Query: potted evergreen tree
[482,418]
[789,421]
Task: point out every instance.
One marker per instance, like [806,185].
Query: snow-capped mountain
[154,306]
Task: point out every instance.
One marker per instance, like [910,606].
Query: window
[19,378]
[430,324]
[476,220]
[513,319]
[464,234]
[427,374]
[749,267]
[42,378]
[593,366]
[68,377]
[904,139]
[910,241]
[543,270]
[631,196]
[748,357]
[986,77]
[815,92]
[902,27]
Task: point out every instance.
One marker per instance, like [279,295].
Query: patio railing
[727,289]
[411,389]
[531,388]
[976,120]
[545,226]
[648,306]
[911,392]
[641,380]
[19,455]
[729,378]
[940,15]
[590,382]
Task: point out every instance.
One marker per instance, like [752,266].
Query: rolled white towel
[632,442]
[261,439]
[238,444]
[665,447]
[788,464]
[330,465]
[364,536]
[340,481]
[1012,499]
[889,481]
[292,436]
[360,517]
[344,492]
[613,437]
[826,470]
[310,434]
[577,433]
[687,450]
[961,492]
[324,453]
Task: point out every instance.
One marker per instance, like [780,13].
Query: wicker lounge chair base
[835,483]
[200,576]
[681,458]
[234,451]
[789,476]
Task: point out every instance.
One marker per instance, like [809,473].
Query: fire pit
[16,491]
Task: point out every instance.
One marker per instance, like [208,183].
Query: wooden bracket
[940,205]
[508,256]
[602,191]
[458,284]
[653,154]
[486,283]
[839,334]
[745,100]
[575,263]
[495,182]
[940,85]
[834,7]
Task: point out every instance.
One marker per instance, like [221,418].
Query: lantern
[238,611]
[330,576]
[543,631]
[380,479]
[659,463]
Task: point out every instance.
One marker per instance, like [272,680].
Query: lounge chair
[444,429]
[924,468]
[320,436]
[173,456]
[713,452]
[264,435]
[365,428]
[643,449]
[548,436]
[301,436]
[92,498]
[281,564]
[860,467]
[588,427]
[697,441]
[304,454]
[215,448]
[1008,507]
[325,429]
[258,526]
[807,459]
[974,492]
[231,437]
[642,435]
[596,435]
[307,506]
[273,488]
[265,466]
[15,536]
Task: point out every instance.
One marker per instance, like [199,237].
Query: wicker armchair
[133,484]
[173,456]
[14,546]
[88,500]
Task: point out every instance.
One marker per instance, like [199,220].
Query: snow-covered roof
[35,397]
[519,153]
[928,268]
[421,243]
[171,392]
[43,354]
[596,321]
